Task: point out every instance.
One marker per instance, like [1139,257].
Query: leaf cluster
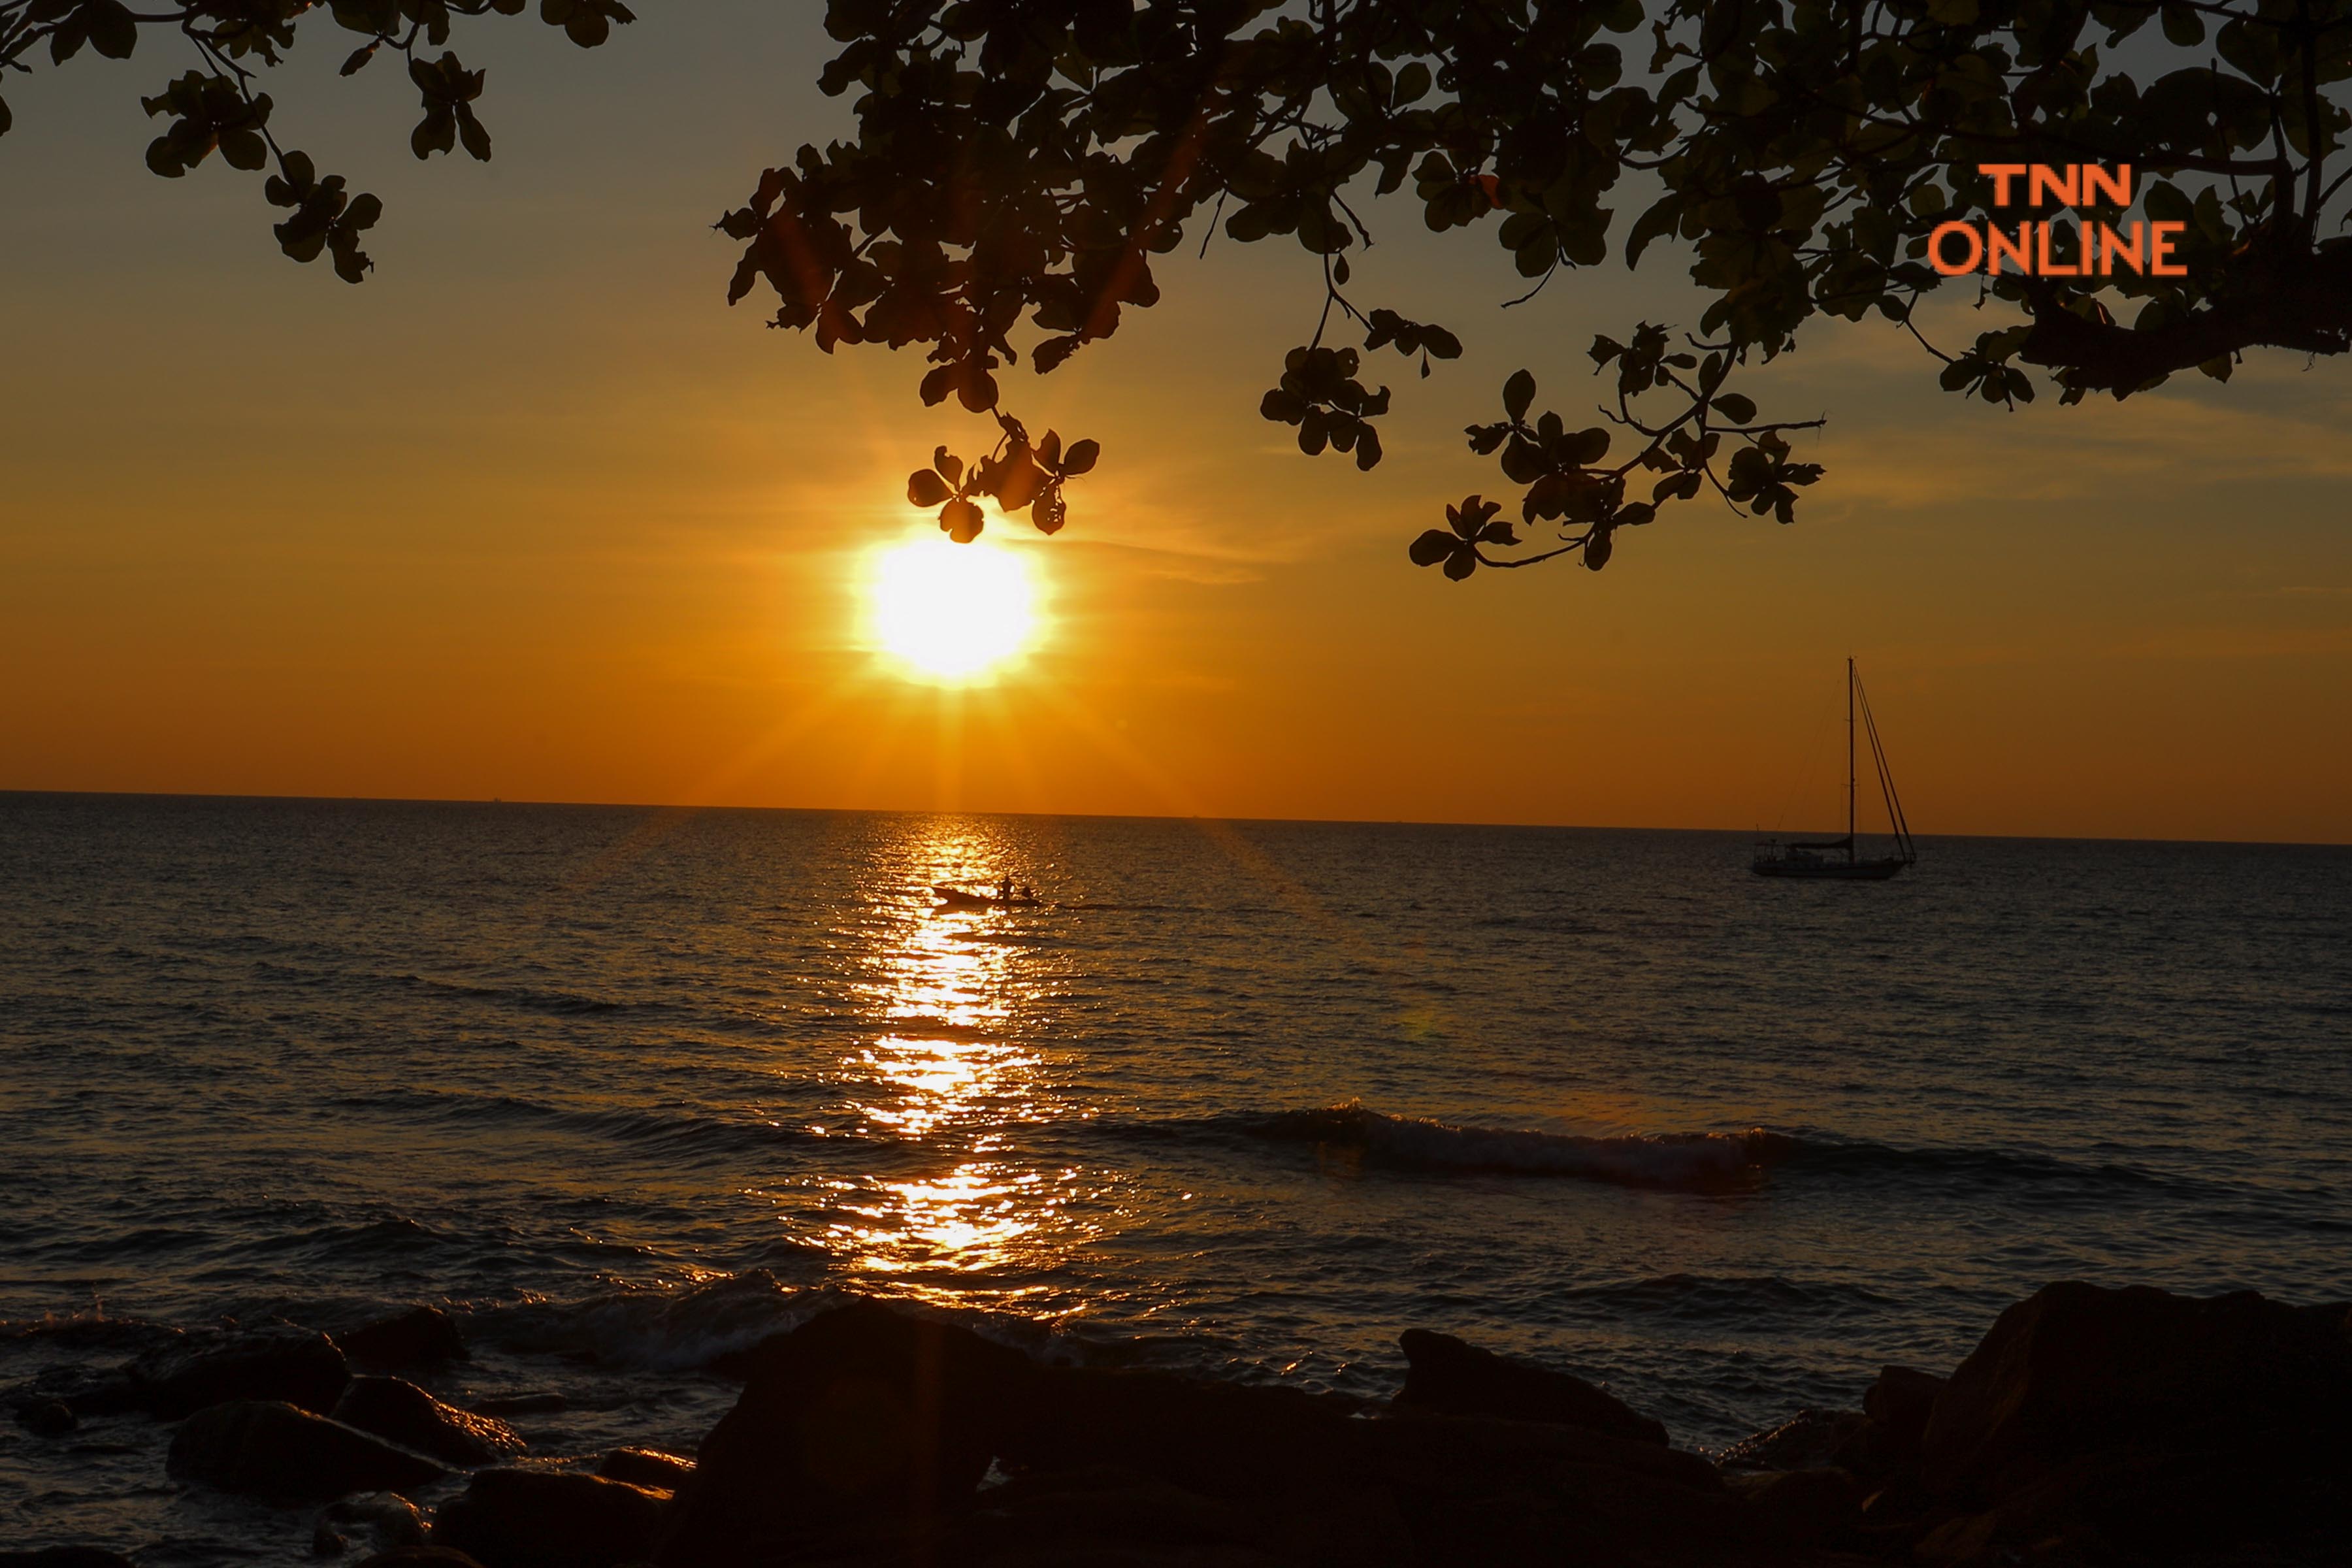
[1016,475]
[1021,168]
[218,108]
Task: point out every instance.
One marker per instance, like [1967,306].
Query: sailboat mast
[1849,757]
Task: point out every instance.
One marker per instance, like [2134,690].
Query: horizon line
[1123,817]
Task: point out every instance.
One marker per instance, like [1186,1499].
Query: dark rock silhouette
[2142,1426]
[862,1412]
[1900,1403]
[1456,1378]
[420,1557]
[1235,1442]
[512,1517]
[85,1392]
[270,1448]
[386,1520]
[296,1366]
[647,1467]
[2091,1429]
[405,1414]
[2074,1369]
[1802,1507]
[66,1557]
[1480,1490]
[420,1337]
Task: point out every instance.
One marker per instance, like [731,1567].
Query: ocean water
[625,1089]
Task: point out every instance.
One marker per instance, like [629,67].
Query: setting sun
[952,611]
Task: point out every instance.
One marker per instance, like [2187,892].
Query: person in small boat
[1004,891]
[1028,894]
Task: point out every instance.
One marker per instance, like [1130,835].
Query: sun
[953,613]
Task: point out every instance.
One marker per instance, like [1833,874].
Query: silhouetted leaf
[1433,547]
[1282,407]
[470,132]
[113,31]
[961,521]
[1519,393]
[1048,511]
[925,489]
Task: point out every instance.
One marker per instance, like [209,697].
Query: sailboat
[1837,859]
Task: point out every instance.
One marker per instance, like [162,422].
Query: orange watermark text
[2089,247]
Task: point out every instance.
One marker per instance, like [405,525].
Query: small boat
[954,897]
[1836,860]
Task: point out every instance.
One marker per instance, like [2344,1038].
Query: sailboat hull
[1830,870]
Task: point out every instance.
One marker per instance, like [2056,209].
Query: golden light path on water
[943,1066]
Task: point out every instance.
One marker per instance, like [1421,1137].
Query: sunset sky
[533,514]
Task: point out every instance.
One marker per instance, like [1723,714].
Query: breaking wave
[1689,1162]
[1708,1162]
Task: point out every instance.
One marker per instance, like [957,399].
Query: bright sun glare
[952,611]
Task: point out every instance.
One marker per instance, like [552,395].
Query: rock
[421,1557]
[85,1392]
[1104,1513]
[405,1414]
[521,1404]
[290,1365]
[1466,1447]
[647,1467]
[1808,1440]
[66,1557]
[1453,1377]
[422,1336]
[1476,1490]
[1230,1441]
[1801,1508]
[2076,1369]
[272,1449]
[47,1417]
[512,1518]
[1900,1403]
[862,1412]
[1296,1477]
[1963,1542]
[383,1522]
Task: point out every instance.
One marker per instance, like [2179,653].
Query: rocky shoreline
[2090,1426]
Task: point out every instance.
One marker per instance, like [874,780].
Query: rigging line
[1886,773]
[1895,817]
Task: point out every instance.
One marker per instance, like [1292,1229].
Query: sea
[625,1091]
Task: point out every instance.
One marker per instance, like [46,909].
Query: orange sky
[533,514]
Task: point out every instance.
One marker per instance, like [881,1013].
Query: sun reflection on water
[944,1081]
